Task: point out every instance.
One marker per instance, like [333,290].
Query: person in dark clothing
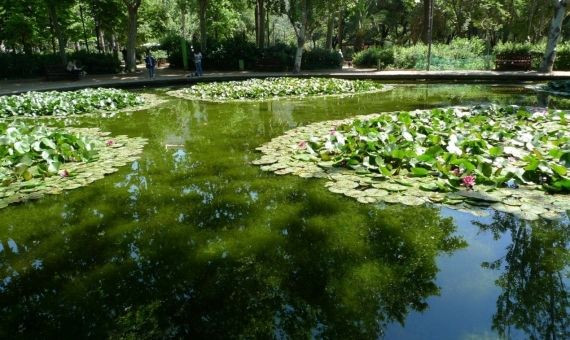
[124,53]
[150,64]
[198,62]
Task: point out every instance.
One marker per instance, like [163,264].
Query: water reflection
[193,241]
[329,270]
[534,297]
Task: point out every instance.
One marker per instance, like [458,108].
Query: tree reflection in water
[315,265]
[534,297]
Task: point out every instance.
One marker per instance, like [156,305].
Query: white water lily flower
[452,148]
[407,136]
[525,137]
[339,138]
[329,146]
[516,152]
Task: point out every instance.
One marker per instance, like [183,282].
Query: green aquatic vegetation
[261,89]
[505,157]
[55,103]
[38,160]
[38,151]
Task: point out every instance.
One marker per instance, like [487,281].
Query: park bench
[269,64]
[58,72]
[513,63]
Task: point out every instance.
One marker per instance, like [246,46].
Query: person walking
[198,62]
[150,64]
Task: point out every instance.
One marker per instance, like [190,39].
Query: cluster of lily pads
[39,160]
[55,103]
[509,158]
[262,89]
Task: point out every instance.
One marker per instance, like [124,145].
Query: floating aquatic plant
[270,88]
[38,160]
[508,158]
[55,103]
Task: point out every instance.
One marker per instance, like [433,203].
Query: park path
[171,77]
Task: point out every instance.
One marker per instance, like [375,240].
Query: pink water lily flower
[64,173]
[110,143]
[469,181]
[302,144]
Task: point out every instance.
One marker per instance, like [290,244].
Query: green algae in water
[195,241]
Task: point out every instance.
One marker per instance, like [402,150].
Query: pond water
[193,241]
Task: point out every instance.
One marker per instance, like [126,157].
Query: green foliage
[320,58]
[96,63]
[495,145]
[27,152]
[15,65]
[562,61]
[503,158]
[259,89]
[460,54]
[372,56]
[512,49]
[67,103]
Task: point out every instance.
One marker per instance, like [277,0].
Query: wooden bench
[58,72]
[513,63]
[269,64]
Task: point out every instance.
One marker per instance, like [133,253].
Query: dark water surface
[192,241]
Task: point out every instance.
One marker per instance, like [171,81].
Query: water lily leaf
[478,196]
[420,172]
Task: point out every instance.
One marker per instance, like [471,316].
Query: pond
[194,241]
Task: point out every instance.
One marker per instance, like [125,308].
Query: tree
[202,9]
[57,11]
[299,22]
[534,295]
[132,10]
[553,35]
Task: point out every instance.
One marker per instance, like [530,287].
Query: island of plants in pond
[39,160]
[271,88]
[511,159]
[55,103]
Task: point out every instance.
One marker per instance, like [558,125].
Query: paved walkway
[168,77]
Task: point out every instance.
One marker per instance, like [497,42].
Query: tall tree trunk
[426,21]
[261,21]
[132,39]
[203,6]
[301,32]
[330,28]
[267,28]
[340,28]
[62,42]
[257,23]
[554,35]
[183,44]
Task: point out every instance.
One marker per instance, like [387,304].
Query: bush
[511,49]
[372,56]
[562,61]
[15,65]
[284,53]
[96,63]
[460,54]
[321,59]
[225,55]
[173,47]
